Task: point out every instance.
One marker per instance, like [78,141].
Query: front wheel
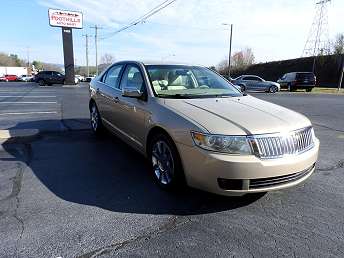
[96,123]
[273,89]
[309,89]
[165,163]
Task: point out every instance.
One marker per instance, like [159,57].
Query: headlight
[223,143]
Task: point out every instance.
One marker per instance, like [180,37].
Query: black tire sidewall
[178,179]
[272,89]
[41,82]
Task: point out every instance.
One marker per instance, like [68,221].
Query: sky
[189,31]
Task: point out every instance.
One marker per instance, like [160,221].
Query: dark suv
[49,78]
[298,80]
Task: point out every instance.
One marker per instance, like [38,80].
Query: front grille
[279,180]
[279,145]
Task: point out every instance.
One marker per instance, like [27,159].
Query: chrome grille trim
[271,146]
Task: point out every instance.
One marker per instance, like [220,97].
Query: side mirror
[132,93]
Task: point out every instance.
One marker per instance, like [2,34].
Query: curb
[18,135]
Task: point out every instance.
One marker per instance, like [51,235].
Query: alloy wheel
[273,89]
[163,162]
[94,118]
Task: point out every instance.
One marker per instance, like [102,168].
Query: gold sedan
[196,128]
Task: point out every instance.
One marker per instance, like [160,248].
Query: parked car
[9,78]
[298,80]
[80,78]
[49,78]
[25,78]
[252,82]
[196,128]
[89,78]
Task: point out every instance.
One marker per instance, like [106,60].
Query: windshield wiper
[179,96]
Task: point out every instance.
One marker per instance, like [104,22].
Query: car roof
[155,62]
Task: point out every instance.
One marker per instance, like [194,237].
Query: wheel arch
[155,130]
[160,130]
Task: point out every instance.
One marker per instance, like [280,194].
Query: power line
[141,19]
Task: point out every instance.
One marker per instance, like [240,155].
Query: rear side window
[112,76]
[305,76]
[251,78]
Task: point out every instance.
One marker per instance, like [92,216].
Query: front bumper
[237,175]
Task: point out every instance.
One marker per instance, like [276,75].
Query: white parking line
[29,102]
[27,96]
[28,113]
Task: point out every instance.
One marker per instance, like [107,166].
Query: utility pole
[341,74]
[230,48]
[28,58]
[96,28]
[88,68]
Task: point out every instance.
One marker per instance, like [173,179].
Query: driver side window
[132,78]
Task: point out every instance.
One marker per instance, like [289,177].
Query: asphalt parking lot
[70,194]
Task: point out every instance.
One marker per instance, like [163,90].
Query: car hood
[239,115]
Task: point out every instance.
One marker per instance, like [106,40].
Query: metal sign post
[67,20]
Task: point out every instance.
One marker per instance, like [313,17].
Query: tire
[41,82]
[309,89]
[273,89]
[242,88]
[165,163]
[95,119]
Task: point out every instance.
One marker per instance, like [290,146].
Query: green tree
[38,65]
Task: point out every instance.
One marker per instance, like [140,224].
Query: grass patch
[327,90]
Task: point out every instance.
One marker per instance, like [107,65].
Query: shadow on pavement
[79,167]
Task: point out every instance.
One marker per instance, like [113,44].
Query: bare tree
[243,58]
[240,60]
[107,59]
[10,60]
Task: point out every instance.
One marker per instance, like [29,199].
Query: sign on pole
[67,19]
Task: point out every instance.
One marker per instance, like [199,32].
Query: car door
[48,77]
[131,120]
[282,81]
[260,84]
[58,78]
[249,82]
[107,95]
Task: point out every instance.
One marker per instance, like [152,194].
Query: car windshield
[177,81]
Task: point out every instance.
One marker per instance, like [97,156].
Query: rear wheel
[96,123]
[242,88]
[165,162]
